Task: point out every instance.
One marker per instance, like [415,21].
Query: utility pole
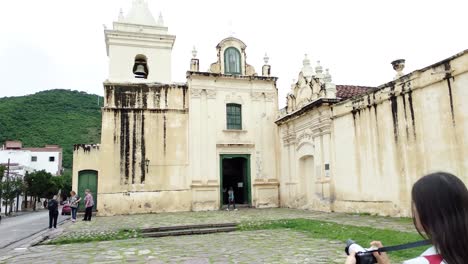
[7,186]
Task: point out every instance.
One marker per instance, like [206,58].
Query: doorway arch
[235,173]
[307,178]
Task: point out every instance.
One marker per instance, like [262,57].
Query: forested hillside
[55,117]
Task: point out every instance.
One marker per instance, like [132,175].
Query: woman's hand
[382,258]
[351,259]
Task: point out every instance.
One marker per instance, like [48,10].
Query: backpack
[52,205]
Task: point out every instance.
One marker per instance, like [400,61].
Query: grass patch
[333,231]
[95,237]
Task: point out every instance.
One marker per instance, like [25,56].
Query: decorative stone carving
[304,137]
[289,139]
[249,70]
[215,68]
[211,94]
[233,98]
[256,96]
[303,96]
[195,93]
[270,97]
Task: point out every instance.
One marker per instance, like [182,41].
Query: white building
[20,160]
[48,158]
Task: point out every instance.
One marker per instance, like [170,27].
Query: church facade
[179,146]
[169,146]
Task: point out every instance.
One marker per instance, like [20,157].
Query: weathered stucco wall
[85,157]
[210,138]
[305,159]
[378,144]
[143,155]
[386,140]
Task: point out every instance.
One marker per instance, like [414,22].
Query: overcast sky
[51,44]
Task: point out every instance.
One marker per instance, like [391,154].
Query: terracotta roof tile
[43,149]
[348,91]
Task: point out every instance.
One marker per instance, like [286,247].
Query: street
[13,229]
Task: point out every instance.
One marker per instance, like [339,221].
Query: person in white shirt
[440,214]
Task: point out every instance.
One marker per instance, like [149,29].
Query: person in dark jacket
[53,211]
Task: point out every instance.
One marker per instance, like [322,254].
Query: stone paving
[113,223]
[268,246]
[263,246]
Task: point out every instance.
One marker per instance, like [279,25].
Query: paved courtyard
[104,224]
[278,246]
[263,246]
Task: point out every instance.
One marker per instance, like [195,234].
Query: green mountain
[53,117]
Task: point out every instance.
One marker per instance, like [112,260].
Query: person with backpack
[74,204]
[440,215]
[52,205]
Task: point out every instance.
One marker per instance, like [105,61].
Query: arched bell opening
[140,67]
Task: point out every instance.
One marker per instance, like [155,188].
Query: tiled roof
[11,164]
[348,91]
[13,144]
[43,149]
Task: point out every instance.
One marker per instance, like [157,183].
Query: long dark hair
[441,202]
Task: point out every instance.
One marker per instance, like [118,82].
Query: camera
[363,255]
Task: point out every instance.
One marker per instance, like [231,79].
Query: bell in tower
[140,68]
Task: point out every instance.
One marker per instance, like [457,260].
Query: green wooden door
[87,180]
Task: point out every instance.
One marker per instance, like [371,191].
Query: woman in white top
[440,214]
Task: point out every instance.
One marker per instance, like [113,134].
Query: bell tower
[139,47]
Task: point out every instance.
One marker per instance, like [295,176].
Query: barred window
[234,116]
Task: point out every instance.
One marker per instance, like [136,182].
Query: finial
[307,70]
[327,77]
[318,68]
[160,20]
[121,15]
[398,66]
[194,52]
[306,60]
[266,58]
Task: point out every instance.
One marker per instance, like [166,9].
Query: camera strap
[404,246]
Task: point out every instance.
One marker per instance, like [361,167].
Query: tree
[11,189]
[66,183]
[2,173]
[41,184]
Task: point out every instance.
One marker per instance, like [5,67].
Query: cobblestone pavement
[266,246]
[106,224]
